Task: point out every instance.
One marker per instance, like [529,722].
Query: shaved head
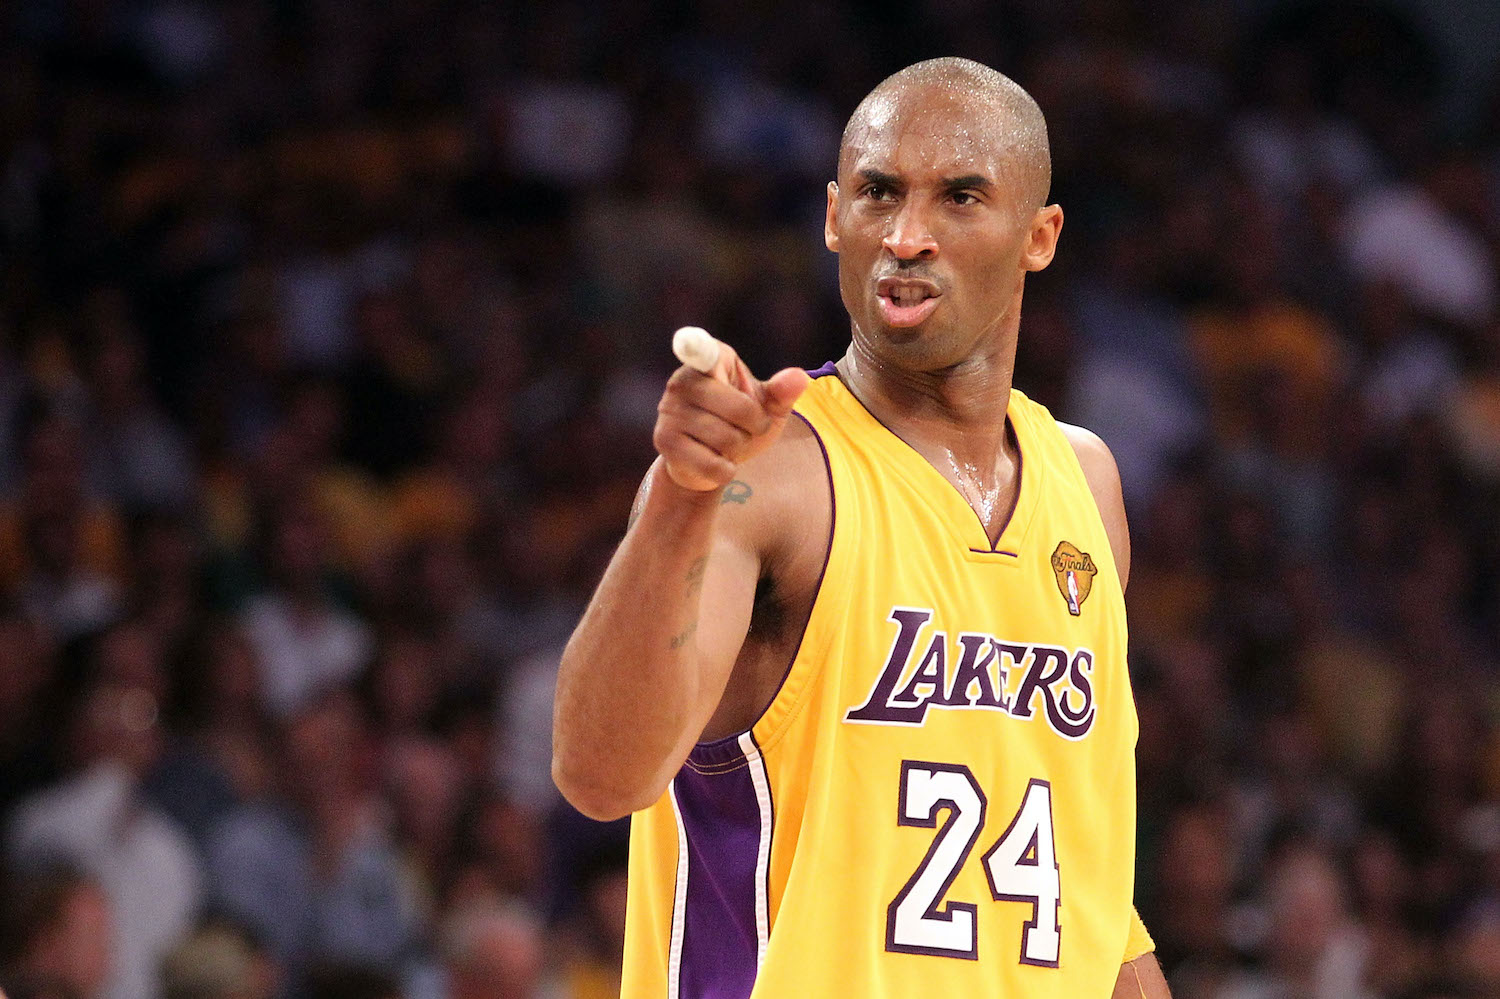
[1001,110]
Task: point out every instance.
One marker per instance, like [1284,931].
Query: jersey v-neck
[963,522]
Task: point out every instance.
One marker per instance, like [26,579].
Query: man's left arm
[1140,974]
[1141,979]
[1104,482]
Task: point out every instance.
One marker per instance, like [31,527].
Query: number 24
[1020,867]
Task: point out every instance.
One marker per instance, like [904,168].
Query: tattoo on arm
[681,638]
[694,581]
[737,491]
[695,574]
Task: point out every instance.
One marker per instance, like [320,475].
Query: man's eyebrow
[974,180]
[880,178]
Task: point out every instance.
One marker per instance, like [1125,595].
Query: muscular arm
[1140,976]
[652,654]
[647,666]
[1141,979]
[1104,482]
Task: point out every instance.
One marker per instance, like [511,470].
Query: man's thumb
[783,389]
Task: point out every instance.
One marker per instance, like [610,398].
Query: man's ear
[830,229]
[1041,242]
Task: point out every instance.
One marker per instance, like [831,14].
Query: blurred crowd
[330,339]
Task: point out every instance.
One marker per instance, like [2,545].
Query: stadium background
[330,336]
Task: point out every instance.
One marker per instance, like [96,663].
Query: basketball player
[858,667]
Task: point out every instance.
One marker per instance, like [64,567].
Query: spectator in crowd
[1312,947]
[494,952]
[304,642]
[58,936]
[28,687]
[337,981]
[592,943]
[312,870]
[62,547]
[218,961]
[98,820]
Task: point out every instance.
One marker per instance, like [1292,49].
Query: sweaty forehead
[934,129]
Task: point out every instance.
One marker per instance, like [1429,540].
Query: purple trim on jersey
[724,751]
[716,755]
[721,819]
[833,519]
[994,551]
[765,884]
[827,369]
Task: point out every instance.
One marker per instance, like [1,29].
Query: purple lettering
[932,671]
[979,679]
[1048,665]
[1017,655]
[1066,720]
[878,707]
[974,669]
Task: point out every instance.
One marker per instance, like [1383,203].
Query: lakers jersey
[940,800]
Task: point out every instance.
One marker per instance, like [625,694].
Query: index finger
[696,348]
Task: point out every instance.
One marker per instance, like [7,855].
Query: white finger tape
[695,348]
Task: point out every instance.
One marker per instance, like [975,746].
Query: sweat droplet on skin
[984,499]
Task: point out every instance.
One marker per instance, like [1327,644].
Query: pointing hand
[709,422]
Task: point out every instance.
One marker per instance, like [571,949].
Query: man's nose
[910,235]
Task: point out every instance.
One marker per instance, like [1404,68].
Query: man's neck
[960,408]
[954,418]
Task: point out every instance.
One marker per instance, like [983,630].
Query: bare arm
[1141,979]
[648,663]
[1104,482]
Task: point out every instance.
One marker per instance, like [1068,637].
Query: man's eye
[875,192]
[964,198]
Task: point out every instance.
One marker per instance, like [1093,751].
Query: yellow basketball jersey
[940,800]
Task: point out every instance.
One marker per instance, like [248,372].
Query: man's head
[493,952]
[217,961]
[939,210]
[56,932]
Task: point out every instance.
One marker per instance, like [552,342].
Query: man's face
[934,230]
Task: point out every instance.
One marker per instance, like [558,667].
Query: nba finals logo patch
[1075,574]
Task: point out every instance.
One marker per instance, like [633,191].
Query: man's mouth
[906,302]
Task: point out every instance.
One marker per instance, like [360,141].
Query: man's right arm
[648,663]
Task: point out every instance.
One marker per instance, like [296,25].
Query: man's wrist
[667,489]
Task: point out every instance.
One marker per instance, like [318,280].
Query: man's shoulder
[786,474]
[1103,478]
[1093,454]
[778,502]
[796,458]
[782,499]
[1085,442]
